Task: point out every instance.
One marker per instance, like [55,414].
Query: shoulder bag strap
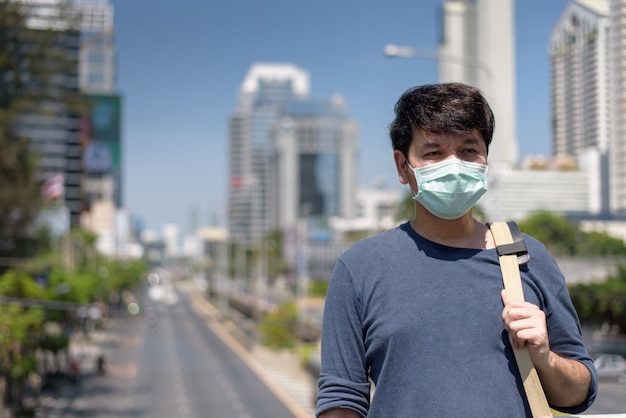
[512,253]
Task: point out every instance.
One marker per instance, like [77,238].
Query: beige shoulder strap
[513,286]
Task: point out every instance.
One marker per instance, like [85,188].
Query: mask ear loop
[406,160]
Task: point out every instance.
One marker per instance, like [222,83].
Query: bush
[278,327]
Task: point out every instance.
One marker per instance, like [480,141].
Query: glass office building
[290,157]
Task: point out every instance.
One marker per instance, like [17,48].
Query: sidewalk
[286,370]
[58,397]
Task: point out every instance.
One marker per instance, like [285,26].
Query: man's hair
[440,108]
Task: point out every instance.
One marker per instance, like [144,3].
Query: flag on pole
[53,187]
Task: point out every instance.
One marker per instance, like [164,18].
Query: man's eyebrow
[431,143]
[471,140]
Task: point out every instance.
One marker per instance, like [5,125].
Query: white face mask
[448,189]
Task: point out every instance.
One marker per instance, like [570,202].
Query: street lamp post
[396,51]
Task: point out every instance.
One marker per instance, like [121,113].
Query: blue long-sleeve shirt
[423,322]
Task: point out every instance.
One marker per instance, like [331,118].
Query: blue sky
[180,65]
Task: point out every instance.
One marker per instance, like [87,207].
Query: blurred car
[610,366]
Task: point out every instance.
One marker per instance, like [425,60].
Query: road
[611,399]
[174,366]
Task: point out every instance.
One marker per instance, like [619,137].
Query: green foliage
[21,328]
[354,236]
[20,285]
[21,368]
[306,351]
[54,343]
[598,243]
[274,244]
[600,303]
[318,288]
[278,328]
[479,214]
[18,324]
[557,233]
[564,238]
[406,207]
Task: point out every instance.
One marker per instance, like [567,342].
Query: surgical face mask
[448,189]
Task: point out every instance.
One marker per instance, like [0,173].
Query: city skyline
[180,86]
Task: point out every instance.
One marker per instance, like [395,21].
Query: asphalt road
[172,366]
[611,398]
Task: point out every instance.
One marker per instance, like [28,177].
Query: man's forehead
[426,138]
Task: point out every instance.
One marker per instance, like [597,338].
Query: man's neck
[464,232]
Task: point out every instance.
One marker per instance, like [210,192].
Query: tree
[599,243]
[18,328]
[556,232]
[278,327]
[563,237]
[602,303]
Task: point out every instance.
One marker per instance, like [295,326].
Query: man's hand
[526,325]
[565,381]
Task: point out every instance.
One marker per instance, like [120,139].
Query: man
[419,310]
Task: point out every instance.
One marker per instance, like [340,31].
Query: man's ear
[401,167]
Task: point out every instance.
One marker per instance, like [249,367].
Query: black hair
[441,108]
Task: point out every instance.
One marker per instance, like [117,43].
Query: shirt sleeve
[343,381]
[571,345]
[564,329]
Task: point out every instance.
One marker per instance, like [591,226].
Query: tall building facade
[588,60]
[84,150]
[101,138]
[263,97]
[580,78]
[97,63]
[617,159]
[477,47]
[101,123]
[314,163]
[53,133]
[290,157]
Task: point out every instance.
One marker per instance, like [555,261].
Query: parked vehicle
[610,366]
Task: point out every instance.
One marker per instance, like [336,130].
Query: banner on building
[101,134]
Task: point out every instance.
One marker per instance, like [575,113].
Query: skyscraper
[314,163]
[101,139]
[263,97]
[97,63]
[101,125]
[580,78]
[82,149]
[617,159]
[53,131]
[585,49]
[290,157]
[477,47]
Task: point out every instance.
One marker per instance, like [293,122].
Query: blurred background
[156,152]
